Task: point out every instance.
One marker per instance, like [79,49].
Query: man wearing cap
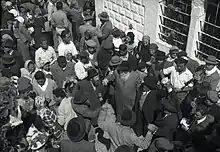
[62,70]
[121,132]
[174,50]
[106,26]
[9,48]
[92,50]
[87,26]
[83,65]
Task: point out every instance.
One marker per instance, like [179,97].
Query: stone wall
[125,12]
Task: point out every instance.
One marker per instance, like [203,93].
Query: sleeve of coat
[107,30]
[25,32]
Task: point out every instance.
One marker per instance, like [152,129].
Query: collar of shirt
[201,120]
[44,87]
[125,58]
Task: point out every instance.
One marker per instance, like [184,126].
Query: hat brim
[88,18]
[8,63]
[82,100]
[210,62]
[102,18]
[160,57]
[81,132]
[114,64]
[128,122]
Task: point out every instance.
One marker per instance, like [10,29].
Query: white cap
[8,3]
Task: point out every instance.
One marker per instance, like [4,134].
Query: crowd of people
[69,85]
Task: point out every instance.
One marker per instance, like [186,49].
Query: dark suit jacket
[106,29]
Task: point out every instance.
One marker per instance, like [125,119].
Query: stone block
[126,4]
[118,17]
[138,1]
[122,27]
[115,23]
[129,14]
[142,20]
[139,35]
[110,5]
[106,4]
[124,20]
[121,11]
[113,1]
[111,14]
[134,8]
[137,18]
[119,2]
[115,8]
[141,10]
[140,28]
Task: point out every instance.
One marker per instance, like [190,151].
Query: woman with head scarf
[29,70]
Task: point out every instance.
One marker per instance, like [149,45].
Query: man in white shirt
[180,77]
[67,46]
[44,54]
[82,66]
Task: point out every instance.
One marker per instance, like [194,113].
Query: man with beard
[126,84]
[93,88]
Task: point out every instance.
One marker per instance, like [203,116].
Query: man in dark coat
[128,57]
[9,48]
[147,104]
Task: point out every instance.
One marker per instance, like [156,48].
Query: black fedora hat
[160,55]
[80,97]
[92,73]
[76,129]
[124,66]
[150,82]
[8,59]
[127,117]
[104,16]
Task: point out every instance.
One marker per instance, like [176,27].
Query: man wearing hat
[146,104]
[128,57]
[157,65]
[83,65]
[192,65]
[75,141]
[9,48]
[121,132]
[93,88]
[209,73]
[61,70]
[126,84]
[9,66]
[180,77]
[87,26]
[104,55]
[106,26]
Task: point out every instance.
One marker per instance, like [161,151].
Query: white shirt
[43,56]
[178,80]
[44,87]
[81,69]
[117,42]
[65,112]
[64,49]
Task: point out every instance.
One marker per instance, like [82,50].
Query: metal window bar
[172,30]
[205,54]
[213,37]
[210,24]
[174,20]
[181,43]
[162,5]
[209,46]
